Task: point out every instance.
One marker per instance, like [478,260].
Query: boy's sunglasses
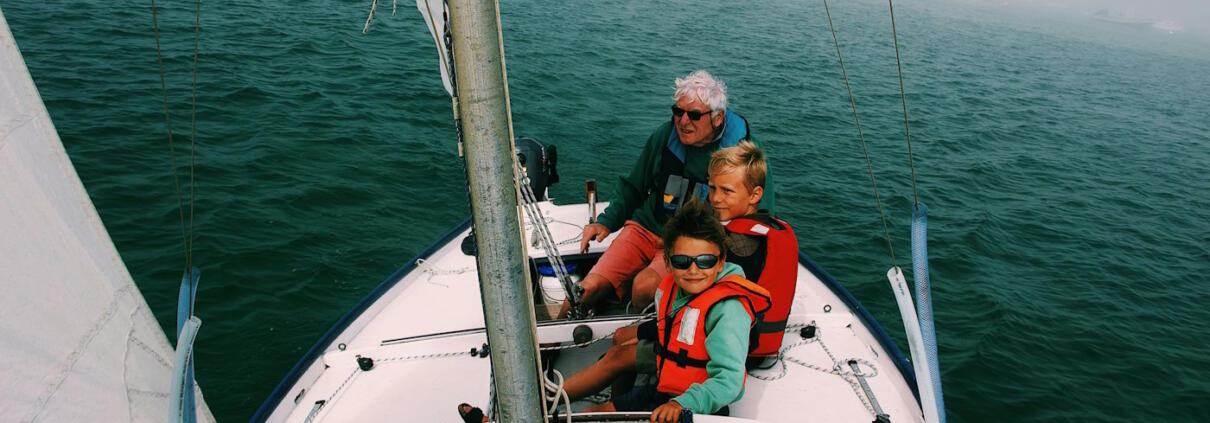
[682,262]
[677,112]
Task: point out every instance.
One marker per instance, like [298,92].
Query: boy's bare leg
[624,379]
[623,382]
[597,376]
[601,408]
[625,334]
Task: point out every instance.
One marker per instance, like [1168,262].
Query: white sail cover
[434,13]
[77,340]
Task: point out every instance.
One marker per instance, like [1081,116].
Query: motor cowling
[539,162]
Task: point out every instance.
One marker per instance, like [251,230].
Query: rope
[337,391]
[373,7]
[869,166]
[570,346]
[569,241]
[838,366]
[903,97]
[432,270]
[555,392]
[599,339]
[422,357]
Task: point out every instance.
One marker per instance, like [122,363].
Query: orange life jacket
[681,348]
[779,276]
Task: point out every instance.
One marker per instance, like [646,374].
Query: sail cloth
[434,13]
[77,340]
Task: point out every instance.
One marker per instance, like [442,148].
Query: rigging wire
[168,121]
[197,24]
[869,166]
[903,97]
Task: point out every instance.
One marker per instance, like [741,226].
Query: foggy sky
[1190,15]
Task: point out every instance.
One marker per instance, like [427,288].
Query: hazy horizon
[1163,16]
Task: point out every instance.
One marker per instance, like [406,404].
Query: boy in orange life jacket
[705,310]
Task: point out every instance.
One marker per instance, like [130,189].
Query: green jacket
[640,194]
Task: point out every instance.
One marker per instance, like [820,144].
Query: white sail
[434,12]
[77,340]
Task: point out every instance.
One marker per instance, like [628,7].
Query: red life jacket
[779,277]
[681,348]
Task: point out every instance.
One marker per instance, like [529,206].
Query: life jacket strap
[768,327]
[681,358]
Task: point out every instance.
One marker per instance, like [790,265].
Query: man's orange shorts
[634,249]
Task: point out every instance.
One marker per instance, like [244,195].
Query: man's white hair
[701,86]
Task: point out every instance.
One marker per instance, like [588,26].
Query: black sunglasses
[682,262]
[677,112]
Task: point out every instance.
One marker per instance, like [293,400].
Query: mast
[482,107]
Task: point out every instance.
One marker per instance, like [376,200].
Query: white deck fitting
[441,297]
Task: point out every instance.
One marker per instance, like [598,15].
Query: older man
[671,168]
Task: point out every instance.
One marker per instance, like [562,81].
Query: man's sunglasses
[682,262]
[677,112]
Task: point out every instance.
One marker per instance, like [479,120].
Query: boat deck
[421,330]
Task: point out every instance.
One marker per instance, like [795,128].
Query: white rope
[432,270]
[838,366]
[373,7]
[555,392]
[575,238]
[602,337]
[570,346]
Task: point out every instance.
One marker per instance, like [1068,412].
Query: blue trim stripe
[888,344]
[325,341]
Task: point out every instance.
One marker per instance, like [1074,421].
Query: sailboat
[424,340]
[77,332]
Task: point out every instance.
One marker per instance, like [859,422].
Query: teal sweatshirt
[638,198]
[727,326]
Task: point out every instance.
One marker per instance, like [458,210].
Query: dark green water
[1064,162]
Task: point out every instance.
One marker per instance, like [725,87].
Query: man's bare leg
[596,287]
[642,292]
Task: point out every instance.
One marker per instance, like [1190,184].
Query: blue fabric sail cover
[182,392]
[924,303]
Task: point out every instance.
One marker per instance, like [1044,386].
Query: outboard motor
[539,162]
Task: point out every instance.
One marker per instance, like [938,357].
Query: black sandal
[470,414]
